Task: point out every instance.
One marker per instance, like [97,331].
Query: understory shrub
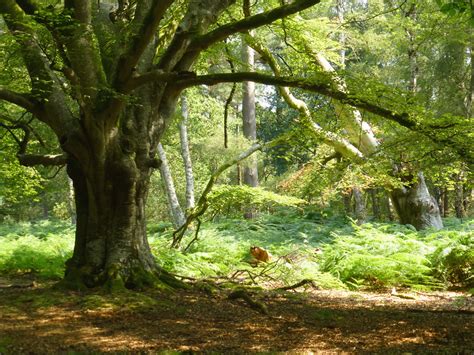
[328,250]
[39,248]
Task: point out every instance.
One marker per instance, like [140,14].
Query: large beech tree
[106,81]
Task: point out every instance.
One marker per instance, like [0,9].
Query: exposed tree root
[119,277]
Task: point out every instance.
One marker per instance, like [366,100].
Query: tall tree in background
[174,207]
[186,154]
[249,119]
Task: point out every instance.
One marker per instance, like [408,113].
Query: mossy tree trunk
[111,244]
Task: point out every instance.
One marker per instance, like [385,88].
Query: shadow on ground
[43,320]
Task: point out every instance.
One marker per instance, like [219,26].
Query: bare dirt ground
[37,319]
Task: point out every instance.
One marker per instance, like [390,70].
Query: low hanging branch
[323,85]
[30,159]
[20,99]
[202,204]
[46,160]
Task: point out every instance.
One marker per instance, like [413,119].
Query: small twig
[239,272]
[195,235]
[299,284]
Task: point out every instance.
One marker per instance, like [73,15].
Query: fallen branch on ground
[258,306]
[299,284]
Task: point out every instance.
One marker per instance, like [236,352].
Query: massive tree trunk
[111,244]
[111,177]
[415,205]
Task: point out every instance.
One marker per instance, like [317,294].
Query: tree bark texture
[250,172]
[186,154]
[359,205]
[176,212]
[415,205]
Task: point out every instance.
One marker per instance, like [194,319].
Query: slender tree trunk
[389,207]
[249,123]
[177,215]
[185,153]
[375,199]
[445,203]
[342,36]
[437,194]
[459,196]
[468,197]
[250,173]
[346,201]
[70,201]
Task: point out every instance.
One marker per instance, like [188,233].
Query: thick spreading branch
[83,51]
[324,87]
[323,84]
[204,41]
[199,16]
[22,100]
[52,108]
[340,144]
[360,130]
[142,38]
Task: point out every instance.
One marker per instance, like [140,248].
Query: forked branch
[143,36]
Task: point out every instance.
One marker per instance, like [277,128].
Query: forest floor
[36,318]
